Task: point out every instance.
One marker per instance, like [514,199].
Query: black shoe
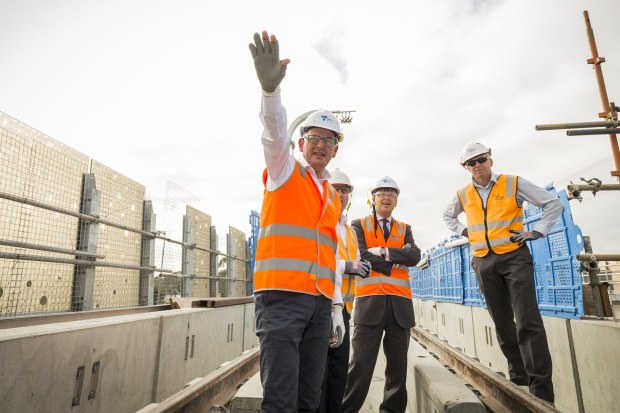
[519,381]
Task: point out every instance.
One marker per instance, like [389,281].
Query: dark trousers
[365,348]
[335,377]
[293,332]
[507,282]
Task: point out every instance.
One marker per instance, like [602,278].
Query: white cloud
[167,91]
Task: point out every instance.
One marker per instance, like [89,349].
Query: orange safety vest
[397,283]
[489,227]
[348,280]
[297,240]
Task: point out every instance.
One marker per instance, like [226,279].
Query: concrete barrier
[430,387]
[118,364]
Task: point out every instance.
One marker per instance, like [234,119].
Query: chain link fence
[76,235]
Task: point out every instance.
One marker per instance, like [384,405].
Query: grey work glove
[378,251]
[465,233]
[522,236]
[337,329]
[361,268]
[266,55]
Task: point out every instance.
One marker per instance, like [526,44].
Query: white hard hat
[339,177]
[473,149]
[322,119]
[385,182]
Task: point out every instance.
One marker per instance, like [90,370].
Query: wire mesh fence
[76,235]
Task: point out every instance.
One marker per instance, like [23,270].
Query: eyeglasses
[386,195]
[344,190]
[472,162]
[329,142]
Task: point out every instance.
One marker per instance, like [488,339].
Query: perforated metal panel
[239,267]
[39,168]
[121,203]
[202,260]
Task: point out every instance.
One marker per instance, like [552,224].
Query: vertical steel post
[84,277]
[147,258]
[608,110]
[187,257]
[213,284]
[595,285]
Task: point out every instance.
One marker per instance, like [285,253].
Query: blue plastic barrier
[445,265]
[557,271]
[471,289]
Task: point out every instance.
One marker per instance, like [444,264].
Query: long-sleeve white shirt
[526,191]
[281,163]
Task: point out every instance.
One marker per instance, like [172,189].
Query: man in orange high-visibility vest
[295,269]
[382,302]
[493,205]
[349,266]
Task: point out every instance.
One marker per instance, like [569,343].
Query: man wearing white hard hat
[383,307]
[348,268]
[295,271]
[493,205]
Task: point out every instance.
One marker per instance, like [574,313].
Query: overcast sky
[165,91]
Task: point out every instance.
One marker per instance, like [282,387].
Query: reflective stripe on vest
[378,284]
[348,253]
[296,248]
[490,227]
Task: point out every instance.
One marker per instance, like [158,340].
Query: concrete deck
[430,387]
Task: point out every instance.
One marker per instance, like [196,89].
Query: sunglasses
[473,162]
[344,190]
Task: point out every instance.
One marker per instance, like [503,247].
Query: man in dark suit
[383,302]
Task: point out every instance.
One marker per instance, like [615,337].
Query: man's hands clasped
[269,68]
[522,236]
[361,268]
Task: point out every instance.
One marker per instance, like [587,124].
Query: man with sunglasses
[493,205]
[383,307]
[295,269]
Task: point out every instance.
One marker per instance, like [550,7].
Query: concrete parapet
[426,316]
[455,325]
[116,363]
[565,381]
[53,368]
[487,347]
[597,345]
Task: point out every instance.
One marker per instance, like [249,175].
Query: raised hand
[269,68]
